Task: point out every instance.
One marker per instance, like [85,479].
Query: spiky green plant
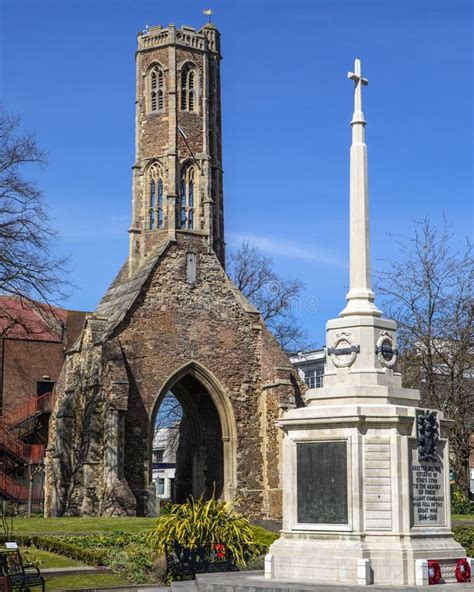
[198,522]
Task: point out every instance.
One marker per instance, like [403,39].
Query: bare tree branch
[429,292]
[29,271]
[274,297]
[169,418]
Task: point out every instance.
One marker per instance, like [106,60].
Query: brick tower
[172,321]
[177,175]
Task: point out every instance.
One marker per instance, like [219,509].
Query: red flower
[462,570]
[219,548]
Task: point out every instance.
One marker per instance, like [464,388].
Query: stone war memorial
[172,321]
[365,470]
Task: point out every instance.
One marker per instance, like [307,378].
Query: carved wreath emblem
[386,353]
[427,435]
[343,353]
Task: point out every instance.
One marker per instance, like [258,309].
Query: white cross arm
[356,78]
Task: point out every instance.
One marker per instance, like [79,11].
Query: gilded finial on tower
[208,12]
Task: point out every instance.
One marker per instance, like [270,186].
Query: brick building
[33,341]
[172,321]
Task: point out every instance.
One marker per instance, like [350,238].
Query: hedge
[56,545]
[465,537]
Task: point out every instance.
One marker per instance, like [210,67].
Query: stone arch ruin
[206,456]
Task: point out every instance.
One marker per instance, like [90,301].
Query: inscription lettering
[427,491]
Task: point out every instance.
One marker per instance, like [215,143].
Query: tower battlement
[205,39]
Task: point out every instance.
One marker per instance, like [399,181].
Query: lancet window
[155,198]
[156,89]
[188,88]
[187,198]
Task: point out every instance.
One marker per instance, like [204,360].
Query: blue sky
[68,68]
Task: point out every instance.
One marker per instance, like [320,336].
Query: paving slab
[128,588]
[76,570]
[256,582]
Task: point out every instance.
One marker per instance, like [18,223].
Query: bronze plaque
[322,482]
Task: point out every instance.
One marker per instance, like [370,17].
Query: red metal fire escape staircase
[16,424]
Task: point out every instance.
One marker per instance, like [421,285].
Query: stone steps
[256,582]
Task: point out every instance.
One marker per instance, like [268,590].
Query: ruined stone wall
[171,324]
[203,322]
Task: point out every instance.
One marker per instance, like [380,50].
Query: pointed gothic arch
[223,406]
[155,88]
[155,197]
[188,197]
[189,87]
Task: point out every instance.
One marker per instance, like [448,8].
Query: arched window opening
[191,90]
[184,94]
[152,203]
[186,198]
[160,203]
[187,456]
[156,89]
[156,198]
[188,89]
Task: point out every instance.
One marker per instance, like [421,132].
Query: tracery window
[188,88]
[155,195]
[156,89]
[187,198]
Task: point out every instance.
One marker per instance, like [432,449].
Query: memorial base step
[256,582]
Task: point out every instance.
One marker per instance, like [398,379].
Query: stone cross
[360,298]
[356,76]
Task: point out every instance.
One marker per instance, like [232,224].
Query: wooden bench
[182,562]
[16,576]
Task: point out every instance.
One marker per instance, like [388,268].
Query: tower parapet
[205,39]
[177,174]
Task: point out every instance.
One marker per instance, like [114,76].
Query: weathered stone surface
[119,500]
[172,320]
[110,386]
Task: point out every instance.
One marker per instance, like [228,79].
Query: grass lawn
[464,518]
[84,581]
[46,559]
[38,525]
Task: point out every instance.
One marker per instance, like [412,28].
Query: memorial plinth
[365,469]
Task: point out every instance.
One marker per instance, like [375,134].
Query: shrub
[63,546]
[198,522]
[459,503]
[134,562]
[264,537]
[465,537]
